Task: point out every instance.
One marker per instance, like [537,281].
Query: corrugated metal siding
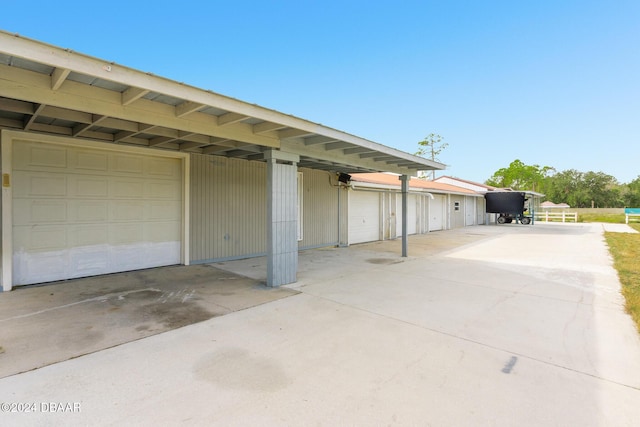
[320,209]
[344,216]
[228,208]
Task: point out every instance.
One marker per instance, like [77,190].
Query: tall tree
[632,194]
[565,187]
[603,190]
[430,148]
[583,189]
[520,176]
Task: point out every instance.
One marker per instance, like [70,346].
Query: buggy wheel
[525,220]
[501,220]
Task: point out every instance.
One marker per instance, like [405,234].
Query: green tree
[430,148]
[602,189]
[632,194]
[583,189]
[520,176]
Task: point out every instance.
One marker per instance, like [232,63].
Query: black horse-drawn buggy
[509,205]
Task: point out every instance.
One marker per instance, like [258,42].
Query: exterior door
[436,212]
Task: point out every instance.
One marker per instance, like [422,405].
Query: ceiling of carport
[55,91]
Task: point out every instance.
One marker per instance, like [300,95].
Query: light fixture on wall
[344,178]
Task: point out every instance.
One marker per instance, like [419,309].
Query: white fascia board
[373,187]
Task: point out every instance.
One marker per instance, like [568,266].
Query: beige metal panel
[320,208]
[228,208]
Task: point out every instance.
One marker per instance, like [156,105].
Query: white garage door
[364,216]
[436,213]
[412,214]
[83,211]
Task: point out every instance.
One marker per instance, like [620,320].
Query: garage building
[375,207]
[106,169]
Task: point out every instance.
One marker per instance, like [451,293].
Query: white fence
[631,214]
[631,218]
[556,216]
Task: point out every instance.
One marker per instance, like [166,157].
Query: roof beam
[369,155]
[187,107]
[357,150]
[189,145]
[58,77]
[255,157]
[119,136]
[229,118]
[119,124]
[9,123]
[159,140]
[84,127]
[341,162]
[267,127]
[196,138]
[66,114]
[382,158]
[313,140]
[16,106]
[98,135]
[41,127]
[132,94]
[217,149]
[30,86]
[292,133]
[337,145]
[31,120]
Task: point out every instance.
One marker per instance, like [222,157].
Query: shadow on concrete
[46,324]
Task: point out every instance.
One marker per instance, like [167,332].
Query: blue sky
[553,83]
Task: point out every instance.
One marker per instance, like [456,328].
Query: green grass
[625,249]
[594,217]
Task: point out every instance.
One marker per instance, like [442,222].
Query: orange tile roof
[388,179]
[479,184]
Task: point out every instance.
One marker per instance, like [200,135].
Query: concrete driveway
[489,325]
[47,324]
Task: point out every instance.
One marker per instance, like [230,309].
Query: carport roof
[51,90]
